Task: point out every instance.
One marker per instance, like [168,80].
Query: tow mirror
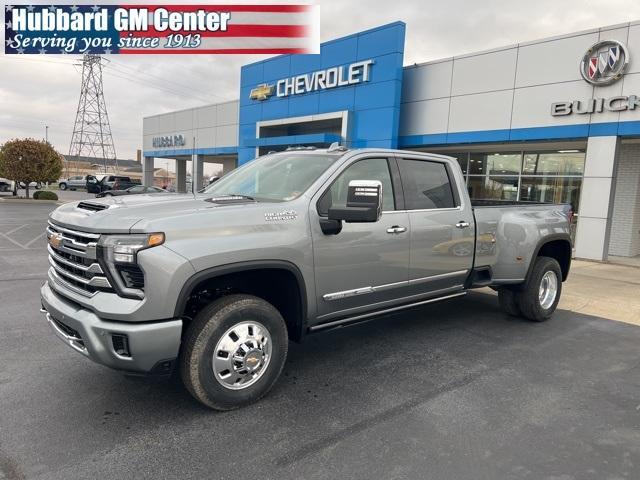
[364,203]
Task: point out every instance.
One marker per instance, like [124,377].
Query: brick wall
[625,226]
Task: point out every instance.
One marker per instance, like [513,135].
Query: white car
[6,185]
[36,185]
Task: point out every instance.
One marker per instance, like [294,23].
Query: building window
[551,189]
[495,163]
[463,159]
[544,176]
[492,187]
[554,163]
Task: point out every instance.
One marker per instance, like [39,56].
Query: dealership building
[552,120]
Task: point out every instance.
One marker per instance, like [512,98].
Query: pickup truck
[105,183]
[73,183]
[215,284]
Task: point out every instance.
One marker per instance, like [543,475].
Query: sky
[36,90]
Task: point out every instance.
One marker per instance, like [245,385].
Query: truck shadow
[341,383]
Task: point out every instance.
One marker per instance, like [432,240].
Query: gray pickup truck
[215,284]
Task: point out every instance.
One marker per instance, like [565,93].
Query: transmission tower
[92,132]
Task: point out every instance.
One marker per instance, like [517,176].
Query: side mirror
[364,203]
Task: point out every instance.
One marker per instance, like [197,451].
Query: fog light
[121,345]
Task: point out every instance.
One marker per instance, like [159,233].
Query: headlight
[123,248]
[117,255]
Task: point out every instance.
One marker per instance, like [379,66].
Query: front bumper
[152,346]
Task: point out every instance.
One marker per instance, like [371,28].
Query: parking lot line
[12,241]
[31,242]
[16,229]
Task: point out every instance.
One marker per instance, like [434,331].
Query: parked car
[6,185]
[296,242]
[103,183]
[137,190]
[36,185]
[74,183]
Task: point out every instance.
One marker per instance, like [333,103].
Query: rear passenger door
[442,226]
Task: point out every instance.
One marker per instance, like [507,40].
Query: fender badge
[282,215]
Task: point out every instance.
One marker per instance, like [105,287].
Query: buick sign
[602,64]
[605,62]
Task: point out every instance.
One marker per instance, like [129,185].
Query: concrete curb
[31,200]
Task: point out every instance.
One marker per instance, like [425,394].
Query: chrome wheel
[242,355]
[548,289]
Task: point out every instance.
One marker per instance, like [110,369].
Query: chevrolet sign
[352,74]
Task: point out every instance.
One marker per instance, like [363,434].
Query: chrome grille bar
[98,282]
[72,257]
[93,268]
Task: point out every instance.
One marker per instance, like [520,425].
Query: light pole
[46,133]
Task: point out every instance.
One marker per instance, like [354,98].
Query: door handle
[462,224]
[396,229]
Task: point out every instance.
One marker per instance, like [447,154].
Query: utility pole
[92,131]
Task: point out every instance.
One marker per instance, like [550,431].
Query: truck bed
[508,233]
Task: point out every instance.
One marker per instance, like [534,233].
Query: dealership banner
[161,29]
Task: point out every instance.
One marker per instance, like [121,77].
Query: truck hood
[120,214]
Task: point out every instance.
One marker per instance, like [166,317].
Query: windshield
[279,177]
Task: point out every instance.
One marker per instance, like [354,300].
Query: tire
[530,299]
[507,301]
[63,186]
[212,331]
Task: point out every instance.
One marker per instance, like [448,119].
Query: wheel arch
[257,278]
[557,246]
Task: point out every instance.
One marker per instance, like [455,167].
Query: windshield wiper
[241,196]
[233,196]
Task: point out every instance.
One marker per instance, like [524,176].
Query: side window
[368,169]
[426,184]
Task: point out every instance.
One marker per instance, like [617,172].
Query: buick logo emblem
[605,62]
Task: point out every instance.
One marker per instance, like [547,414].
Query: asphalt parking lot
[457,390]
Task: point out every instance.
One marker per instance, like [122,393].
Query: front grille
[132,276]
[94,207]
[73,260]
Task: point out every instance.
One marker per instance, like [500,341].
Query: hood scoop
[92,207]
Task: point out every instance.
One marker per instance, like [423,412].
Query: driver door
[92,184]
[366,264]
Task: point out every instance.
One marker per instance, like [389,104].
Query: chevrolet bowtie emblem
[261,92]
[55,240]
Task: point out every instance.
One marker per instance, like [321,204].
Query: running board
[366,316]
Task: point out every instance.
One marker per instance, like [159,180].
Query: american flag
[251,29]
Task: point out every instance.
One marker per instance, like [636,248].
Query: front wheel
[233,351]
[62,186]
[540,295]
